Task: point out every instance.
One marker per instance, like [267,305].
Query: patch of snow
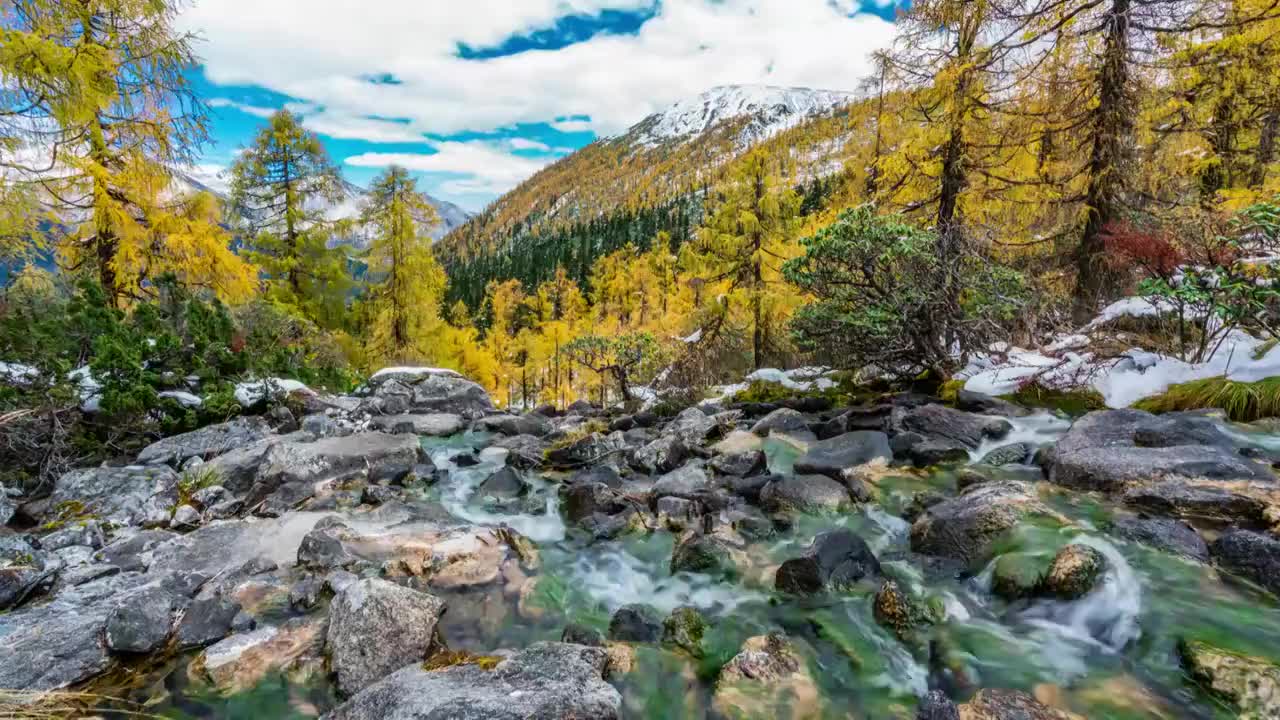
[1129,307]
[413,371]
[255,391]
[17,373]
[773,110]
[88,388]
[805,378]
[1075,341]
[695,337]
[184,399]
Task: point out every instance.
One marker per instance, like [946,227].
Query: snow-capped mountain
[770,110]
[348,206]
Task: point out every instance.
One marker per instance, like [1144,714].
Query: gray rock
[430,424]
[237,469]
[836,560]
[531,424]
[660,456]
[1252,555]
[123,495]
[585,500]
[600,474]
[1174,536]
[1199,499]
[7,507]
[1100,453]
[927,452]
[588,450]
[694,427]
[706,554]
[742,464]
[976,402]
[135,551]
[1011,454]
[943,423]
[582,635]
[523,451]
[87,533]
[1174,429]
[24,570]
[783,420]
[376,627]
[504,483]
[185,518]
[374,456]
[141,621]
[833,456]
[206,621]
[446,394]
[546,681]
[937,706]
[687,482]
[1073,573]
[965,528]
[377,494]
[205,443]
[805,493]
[635,623]
[207,497]
[325,547]
[676,514]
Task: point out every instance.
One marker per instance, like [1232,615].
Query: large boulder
[1251,685]
[943,423]
[831,457]
[375,457]
[533,424]
[590,449]
[1101,452]
[429,424]
[504,483]
[766,679]
[836,560]
[660,456]
[740,464]
[965,527]
[206,442]
[24,571]
[688,482]
[131,495]
[805,493]
[142,623]
[1245,502]
[1174,429]
[431,390]
[1173,536]
[377,627]
[1252,555]
[782,420]
[635,623]
[546,681]
[694,427]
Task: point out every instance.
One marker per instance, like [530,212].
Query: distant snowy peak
[770,110]
[348,207]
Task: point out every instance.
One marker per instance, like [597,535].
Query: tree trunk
[1266,150]
[1112,128]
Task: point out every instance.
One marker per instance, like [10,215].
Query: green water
[1109,655]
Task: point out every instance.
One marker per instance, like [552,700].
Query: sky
[474,96]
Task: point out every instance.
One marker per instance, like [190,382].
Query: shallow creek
[1111,654]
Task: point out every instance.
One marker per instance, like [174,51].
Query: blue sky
[476,96]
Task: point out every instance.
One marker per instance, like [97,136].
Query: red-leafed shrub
[1150,250]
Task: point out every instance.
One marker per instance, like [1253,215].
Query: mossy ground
[1072,401]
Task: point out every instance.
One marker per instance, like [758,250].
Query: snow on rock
[255,391]
[773,110]
[87,388]
[804,379]
[184,399]
[412,372]
[1128,307]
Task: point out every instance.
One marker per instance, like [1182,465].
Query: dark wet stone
[206,621]
[684,628]
[833,456]
[782,420]
[1174,429]
[1252,555]
[635,623]
[582,635]
[938,422]
[743,464]
[141,622]
[531,424]
[965,527]
[835,560]
[976,402]
[659,456]
[1074,572]
[525,452]
[749,488]
[937,451]
[805,493]
[704,554]
[1174,536]
[504,483]
[1198,499]
[937,706]
[1012,454]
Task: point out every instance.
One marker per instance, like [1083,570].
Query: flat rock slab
[377,627]
[547,681]
[429,424]
[833,456]
[206,442]
[122,495]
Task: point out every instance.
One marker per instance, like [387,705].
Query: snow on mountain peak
[773,109]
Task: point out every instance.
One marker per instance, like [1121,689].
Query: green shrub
[1241,401]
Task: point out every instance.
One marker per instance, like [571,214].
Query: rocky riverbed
[411,552]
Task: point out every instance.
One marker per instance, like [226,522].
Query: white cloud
[256,111]
[350,127]
[519,143]
[488,169]
[319,51]
[572,126]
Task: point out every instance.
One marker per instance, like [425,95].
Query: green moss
[452,658]
[589,427]
[1241,401]
[1073,401]
[949,391]
[195,479]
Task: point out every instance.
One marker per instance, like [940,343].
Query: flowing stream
[1110,654]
